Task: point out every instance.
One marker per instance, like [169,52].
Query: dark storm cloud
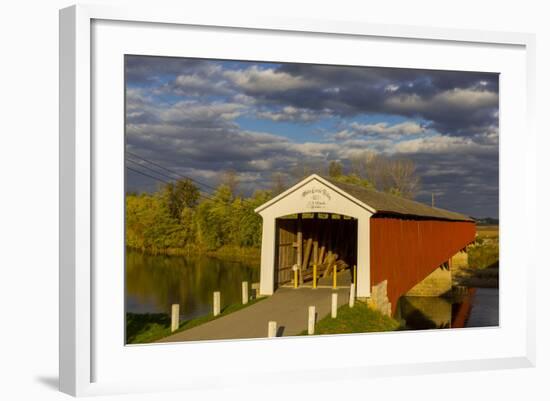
[185,114]
[452,102]
[202,140]
[420,82]
[206,152]
[466,183]
[147,69]
[200,136]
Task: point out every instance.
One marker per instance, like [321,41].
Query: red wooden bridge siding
[405,251]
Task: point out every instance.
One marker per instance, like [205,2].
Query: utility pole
[433,199]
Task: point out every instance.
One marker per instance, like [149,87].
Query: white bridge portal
[314,194]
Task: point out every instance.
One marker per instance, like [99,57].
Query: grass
[248,255]
[483,255]
[150,327]
[237,254]
[146,328]
[483,260]
[359,319]
[487,231]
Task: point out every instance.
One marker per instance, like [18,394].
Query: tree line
[179,218]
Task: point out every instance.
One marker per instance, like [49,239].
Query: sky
[200,117]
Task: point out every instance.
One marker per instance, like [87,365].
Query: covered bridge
[394,243]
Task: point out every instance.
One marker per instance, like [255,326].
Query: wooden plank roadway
[287,306]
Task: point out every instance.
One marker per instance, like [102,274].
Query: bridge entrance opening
[315,249]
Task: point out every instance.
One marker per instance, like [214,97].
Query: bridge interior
[315,242]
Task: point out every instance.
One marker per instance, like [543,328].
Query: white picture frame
[81,346]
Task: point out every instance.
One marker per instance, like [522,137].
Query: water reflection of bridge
[442,312]
[435,312]
[425,312]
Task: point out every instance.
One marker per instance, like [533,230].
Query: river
[155,282]
[478,307]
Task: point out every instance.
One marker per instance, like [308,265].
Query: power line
[141,158]
[147,175]
[169,170]
[166,182]
[150,169]
[165,176]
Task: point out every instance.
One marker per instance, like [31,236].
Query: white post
[352,295]
[362,286]
[272,329]
[311,320]
[175,323]
[216,303]
[267,269]
[245,292]
[334,306]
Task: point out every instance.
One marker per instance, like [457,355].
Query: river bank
[482,270]
[227,252]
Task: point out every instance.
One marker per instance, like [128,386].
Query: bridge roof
[379,203]
[391,204]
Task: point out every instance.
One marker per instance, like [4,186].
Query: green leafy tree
[246,224]
[182,194]
[355,180]
[149,225]
[213,218]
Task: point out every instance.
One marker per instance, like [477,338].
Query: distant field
[487,231]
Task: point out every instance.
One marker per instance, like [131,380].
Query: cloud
[436,144]
[257,80]
[206,81]
[201,136]
[459,100]
[195,85]
[391,88]
[455,111]
[139,107]
[445,165]
[383,128]
[152,69]
[185,115]
[452,102]
[291,114]
[192,112]
[381,136]
[467,183]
